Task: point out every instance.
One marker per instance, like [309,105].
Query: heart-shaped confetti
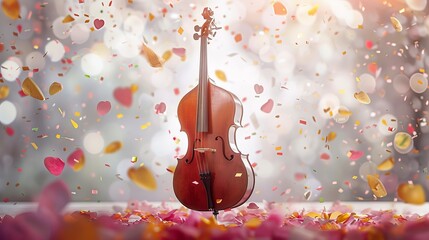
[268,106]
[258,89]
[142,177]
[55,88]
[30,88]
[98,23]
[124,96]
[54,165]
[160,108]
[103,107]
[279,8]
[113,147]
[76,160]
[411,193]
[362,97]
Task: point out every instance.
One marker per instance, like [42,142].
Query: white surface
[108,207]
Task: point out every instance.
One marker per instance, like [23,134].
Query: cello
[213,175]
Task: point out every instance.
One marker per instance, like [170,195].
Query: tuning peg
[197,28]
[196,36]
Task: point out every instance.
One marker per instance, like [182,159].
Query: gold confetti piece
[34,146]
[113,147]
[279,8]
[143,178]
[68,19]
[146,125]
[278,148]
[151,56]
[239,174]
[119,115]
[58,136]
[396,24]
[238,38]
[4,92]
[134,159]
[331,136]
[219,200]
[221,75]
[384,122]
[376,186]
[55,88]
[134,88]
[362,97]
[411,193]
[11,8]
[312,11]
[74,124]
[180,30]
[30,88]
[151,17]
[167,55]
[344,112]
[343,217]
[387,164]
[77,114]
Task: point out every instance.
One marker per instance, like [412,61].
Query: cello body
[213,174]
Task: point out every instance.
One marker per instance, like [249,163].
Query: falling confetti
[74,124]
[160,108]
[113,147]
[55,88]
[258,89]
[76,160]
[221,75]
[312,11]
[151,56]
[387,164]
[181,52]
[403,142]
[279,8]
[103,107]
[11,8]
[268,106]
[362,97]
[98,23]
[396,24]
[331,136]
[180,30]
[68,19]
[54,165]
[124,96]
[30,88]
[376,186]
[143,178]
[354,155]
[4,92]
[411,193]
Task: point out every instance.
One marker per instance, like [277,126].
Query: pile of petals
[141,220]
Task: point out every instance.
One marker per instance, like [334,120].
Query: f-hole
[223,148]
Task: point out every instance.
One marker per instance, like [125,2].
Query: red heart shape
[124,96]
[103,107]
[258,88]
[98,23]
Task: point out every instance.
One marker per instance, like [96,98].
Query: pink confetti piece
[54,165]
[268,106]
[54,197]
[300,176]
[124,96]
[160,108]
[103,107]
[252,205]
[98,23]
[354,155]
[181,52]
[9,131]
[324,156]
[303,122]
[258,88]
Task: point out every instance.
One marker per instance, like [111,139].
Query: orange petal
[30,88]
[151,56]
[376,186]
[113,147]
[279,9]
[142,177]
[11,8]
[412,193]
[55,88]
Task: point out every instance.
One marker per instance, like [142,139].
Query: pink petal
[103,108]
[54,165]
[268,106]
[354,155]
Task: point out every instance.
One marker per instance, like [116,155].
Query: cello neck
[202,111]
